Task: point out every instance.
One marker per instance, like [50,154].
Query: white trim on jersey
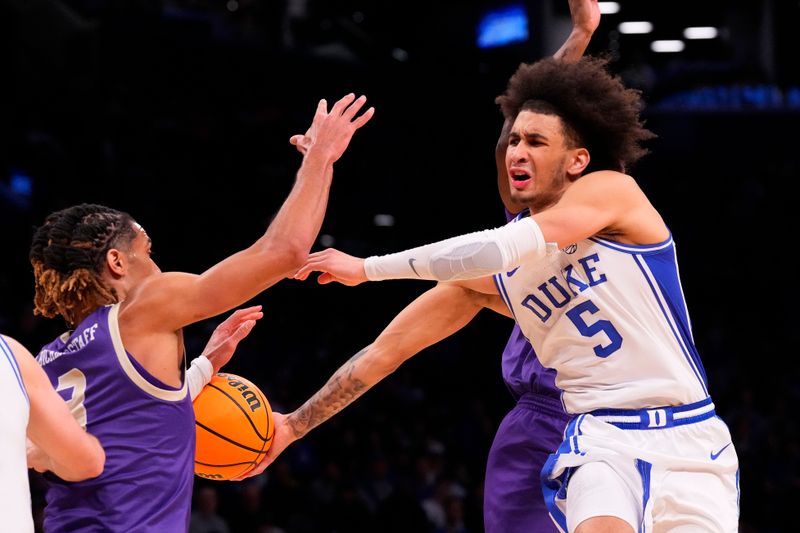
[134,375]
[12,361]
[501,288]
[663,305]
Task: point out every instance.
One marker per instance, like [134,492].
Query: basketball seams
[218,412]
[227,439]
[268,409]
[250,420]
[225,465]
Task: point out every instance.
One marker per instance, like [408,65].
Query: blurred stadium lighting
[632,27]
[503,26]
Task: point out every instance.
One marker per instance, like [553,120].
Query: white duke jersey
[610,318]
[15,495]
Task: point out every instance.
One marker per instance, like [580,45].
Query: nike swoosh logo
[715,455]
[512,272]
[411,264]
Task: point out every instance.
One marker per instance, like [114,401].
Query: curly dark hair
[597,110]
[67,254]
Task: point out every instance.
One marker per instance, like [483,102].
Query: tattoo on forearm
[339,392]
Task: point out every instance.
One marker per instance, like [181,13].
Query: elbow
[289,255]
[385,359]
[94,464]
[98,465]
[296,258]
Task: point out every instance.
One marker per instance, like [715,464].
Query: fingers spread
[363,119]
[357,104]
[339,107]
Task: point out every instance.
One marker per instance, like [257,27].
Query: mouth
[520,179]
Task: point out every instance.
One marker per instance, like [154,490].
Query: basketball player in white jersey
[590,275]
[32,407]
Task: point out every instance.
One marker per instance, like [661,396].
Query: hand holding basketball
[234,424]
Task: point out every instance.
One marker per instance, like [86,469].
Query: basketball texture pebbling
[234,426]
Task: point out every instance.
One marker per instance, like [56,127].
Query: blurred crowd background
[180,111]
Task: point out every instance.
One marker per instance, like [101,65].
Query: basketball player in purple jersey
[534,428]
[121,366]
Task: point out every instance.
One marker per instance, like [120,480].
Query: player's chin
[523,197]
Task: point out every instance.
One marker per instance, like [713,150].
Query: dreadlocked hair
[68,252]
[598,112]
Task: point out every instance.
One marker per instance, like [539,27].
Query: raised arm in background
[585,20]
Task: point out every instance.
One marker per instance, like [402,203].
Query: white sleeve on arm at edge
[198,375]
[473,255]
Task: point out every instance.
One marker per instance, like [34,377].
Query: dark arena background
[180,111]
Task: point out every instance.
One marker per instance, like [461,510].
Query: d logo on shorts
[657,418]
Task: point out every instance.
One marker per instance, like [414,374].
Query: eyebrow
[535,135]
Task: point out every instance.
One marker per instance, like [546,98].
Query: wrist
[298,428]
[199,375]
[318,155]
[582,33]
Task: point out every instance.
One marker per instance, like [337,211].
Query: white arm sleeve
[473,255]
[198,375]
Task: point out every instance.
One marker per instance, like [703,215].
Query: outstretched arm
[602,203]
[433,316]
[585,20]
[172,300]
[50,425]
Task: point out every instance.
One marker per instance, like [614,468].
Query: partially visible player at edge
[534,427]
[590,275]
[32,408]
[121,365]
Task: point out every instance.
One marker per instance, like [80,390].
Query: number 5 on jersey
[590,330]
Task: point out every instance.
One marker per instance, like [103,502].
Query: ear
[117,262]
[578,163]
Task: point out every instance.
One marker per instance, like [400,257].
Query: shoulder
[17,349]
[28,366]
[607,188]
[633,218]
[607,180]
[158,286]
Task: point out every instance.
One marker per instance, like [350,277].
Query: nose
[516,155]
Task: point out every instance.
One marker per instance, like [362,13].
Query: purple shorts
[529,433]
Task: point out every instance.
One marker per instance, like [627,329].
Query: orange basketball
[233,420]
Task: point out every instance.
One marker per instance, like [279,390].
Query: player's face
[140,260]
[536,160]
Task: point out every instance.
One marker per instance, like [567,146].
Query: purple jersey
[522,371]
[146,428]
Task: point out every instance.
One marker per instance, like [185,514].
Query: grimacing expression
[536,160]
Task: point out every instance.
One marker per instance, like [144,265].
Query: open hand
[331,131]
[226,337]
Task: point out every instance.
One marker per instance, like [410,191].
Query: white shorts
[669,469]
